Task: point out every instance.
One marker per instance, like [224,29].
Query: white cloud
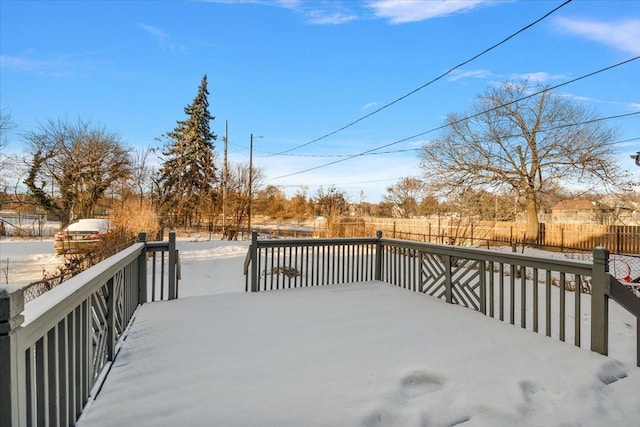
[326,18]
[475,74]
[162,38]
[623,35]
[322,13]
[154,31]
[403,11]
[55,66]
[369,106]
[537,77]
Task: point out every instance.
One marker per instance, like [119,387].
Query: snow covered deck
[366,354]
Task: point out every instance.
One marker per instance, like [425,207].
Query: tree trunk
[533,226]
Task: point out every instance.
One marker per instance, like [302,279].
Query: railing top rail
[53,306]
[157,246]
[569,266]
[624,297]
[340,241]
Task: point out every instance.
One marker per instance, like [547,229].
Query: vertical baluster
[491,289]
[153,277]
[482,270]
[562,305]
[52,375]
[535,300]
[63,373]
[577,309]
[501,291]
[523,296]
[547,303]
[512,288]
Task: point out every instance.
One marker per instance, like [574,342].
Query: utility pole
[225,180]
[250,181]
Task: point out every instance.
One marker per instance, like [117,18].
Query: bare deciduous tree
[5,125]
[524,142]
[72,166]
[238,196]
[406,196]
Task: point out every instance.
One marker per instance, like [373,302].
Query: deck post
[173,290]
[142,270]
[600,290]
[378,265]
[253,249]
[11,318]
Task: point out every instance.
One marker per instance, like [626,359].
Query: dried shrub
[133,216]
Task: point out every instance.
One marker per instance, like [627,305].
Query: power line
[429,82]
[348,155]
[418,149]
[472,116]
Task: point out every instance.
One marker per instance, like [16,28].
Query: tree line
[518,149]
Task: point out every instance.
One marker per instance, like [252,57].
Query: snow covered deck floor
[351,355]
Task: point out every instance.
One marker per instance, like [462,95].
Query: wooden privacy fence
[521,289]
[56,351]
[619,239]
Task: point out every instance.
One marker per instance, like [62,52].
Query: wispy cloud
[623,35]
[470,74]
[322,17]
[404,11]
[56,66]
[162,39]
[537,77]
[586,99]
[368,106]
[316,13]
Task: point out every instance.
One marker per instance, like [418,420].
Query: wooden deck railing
[544,294]
[56,351]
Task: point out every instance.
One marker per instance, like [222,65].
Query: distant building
[605,212]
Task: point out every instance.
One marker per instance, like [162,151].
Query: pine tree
[187,176]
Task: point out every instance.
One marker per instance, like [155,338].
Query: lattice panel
[465,279]
[433,278]
[99,334]
[119,294]
[101,302]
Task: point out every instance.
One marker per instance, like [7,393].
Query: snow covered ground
[24,261]
[345,355]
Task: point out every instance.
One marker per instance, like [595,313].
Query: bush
[133,216]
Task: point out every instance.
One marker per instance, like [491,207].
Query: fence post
[173,294]
[11,307]
[253,249]
[378,266]
[142,269]
[600,289]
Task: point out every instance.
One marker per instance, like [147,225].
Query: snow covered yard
[344,355]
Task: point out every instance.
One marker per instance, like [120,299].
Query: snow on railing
[544,294]
[55,351]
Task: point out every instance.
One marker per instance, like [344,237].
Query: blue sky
[292,71]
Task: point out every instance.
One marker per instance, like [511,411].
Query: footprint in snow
[420,383]
[611,372]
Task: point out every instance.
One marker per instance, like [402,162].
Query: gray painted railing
[521,289]
[56,351]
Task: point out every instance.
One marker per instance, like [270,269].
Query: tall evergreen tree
[187,176]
